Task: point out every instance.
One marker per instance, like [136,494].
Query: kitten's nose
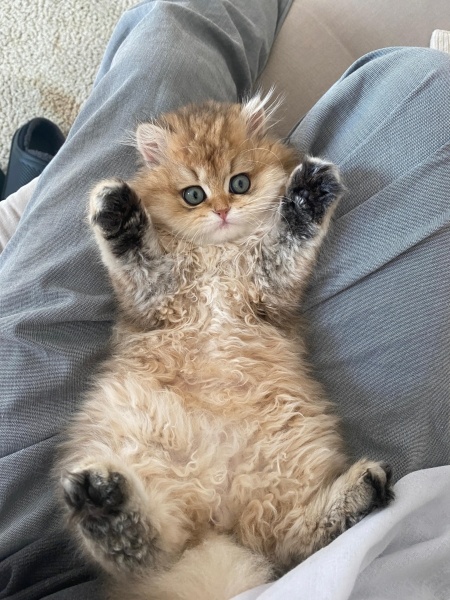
[222,212]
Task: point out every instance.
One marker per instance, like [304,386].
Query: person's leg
[56,301]
[378,305]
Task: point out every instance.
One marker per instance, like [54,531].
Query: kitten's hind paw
[313,186]
[364,487]
[102,509]
[116,211]
[92,490]
[372,490]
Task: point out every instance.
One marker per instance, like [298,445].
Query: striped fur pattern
[205,459]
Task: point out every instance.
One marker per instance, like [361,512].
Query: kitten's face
[212,176]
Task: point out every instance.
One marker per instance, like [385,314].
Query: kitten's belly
[232,371]
[189,454]
[226,368]
[208,405]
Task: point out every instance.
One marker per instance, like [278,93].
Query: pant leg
[378,304]
[56,304]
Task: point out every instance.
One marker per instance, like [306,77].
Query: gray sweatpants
[377,306]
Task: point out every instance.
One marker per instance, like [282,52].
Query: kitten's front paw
[313,186]
[116,211]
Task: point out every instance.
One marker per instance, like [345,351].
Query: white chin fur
[220,235]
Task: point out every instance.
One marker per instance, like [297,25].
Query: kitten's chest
[216,350]
[217,290]
[225,351]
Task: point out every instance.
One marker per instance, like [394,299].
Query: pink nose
[222,212]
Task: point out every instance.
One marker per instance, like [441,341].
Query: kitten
[205,459]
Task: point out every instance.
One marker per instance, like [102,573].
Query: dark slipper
[33,147]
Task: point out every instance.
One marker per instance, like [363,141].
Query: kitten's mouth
[224,231]
[222,223]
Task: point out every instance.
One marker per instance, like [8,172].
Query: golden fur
[231,464]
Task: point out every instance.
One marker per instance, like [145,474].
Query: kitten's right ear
[257,111]
[151,141]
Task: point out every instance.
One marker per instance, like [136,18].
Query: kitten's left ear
[151,141]
[257,112]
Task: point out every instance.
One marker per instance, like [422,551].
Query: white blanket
[399,553]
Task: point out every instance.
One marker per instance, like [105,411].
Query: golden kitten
[205,459]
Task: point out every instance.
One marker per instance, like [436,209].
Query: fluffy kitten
[205,459]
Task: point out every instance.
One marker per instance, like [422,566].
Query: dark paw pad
[101,508]
[116,209]
[94,491]
[314,185]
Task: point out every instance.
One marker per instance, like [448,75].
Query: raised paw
[110,523]
[313,186]
[116,211]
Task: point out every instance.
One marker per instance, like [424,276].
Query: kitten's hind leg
[364,487]
[109,514]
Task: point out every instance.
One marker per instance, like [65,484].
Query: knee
[421,58]
[405,63]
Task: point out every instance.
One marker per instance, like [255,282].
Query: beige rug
[50,51]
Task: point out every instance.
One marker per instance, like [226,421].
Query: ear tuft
[151,141]
[257,111]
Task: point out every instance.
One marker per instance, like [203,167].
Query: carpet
[50,51]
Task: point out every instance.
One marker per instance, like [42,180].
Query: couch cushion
[321,38]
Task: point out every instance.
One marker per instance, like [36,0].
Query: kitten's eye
[239,184]
[193,195]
